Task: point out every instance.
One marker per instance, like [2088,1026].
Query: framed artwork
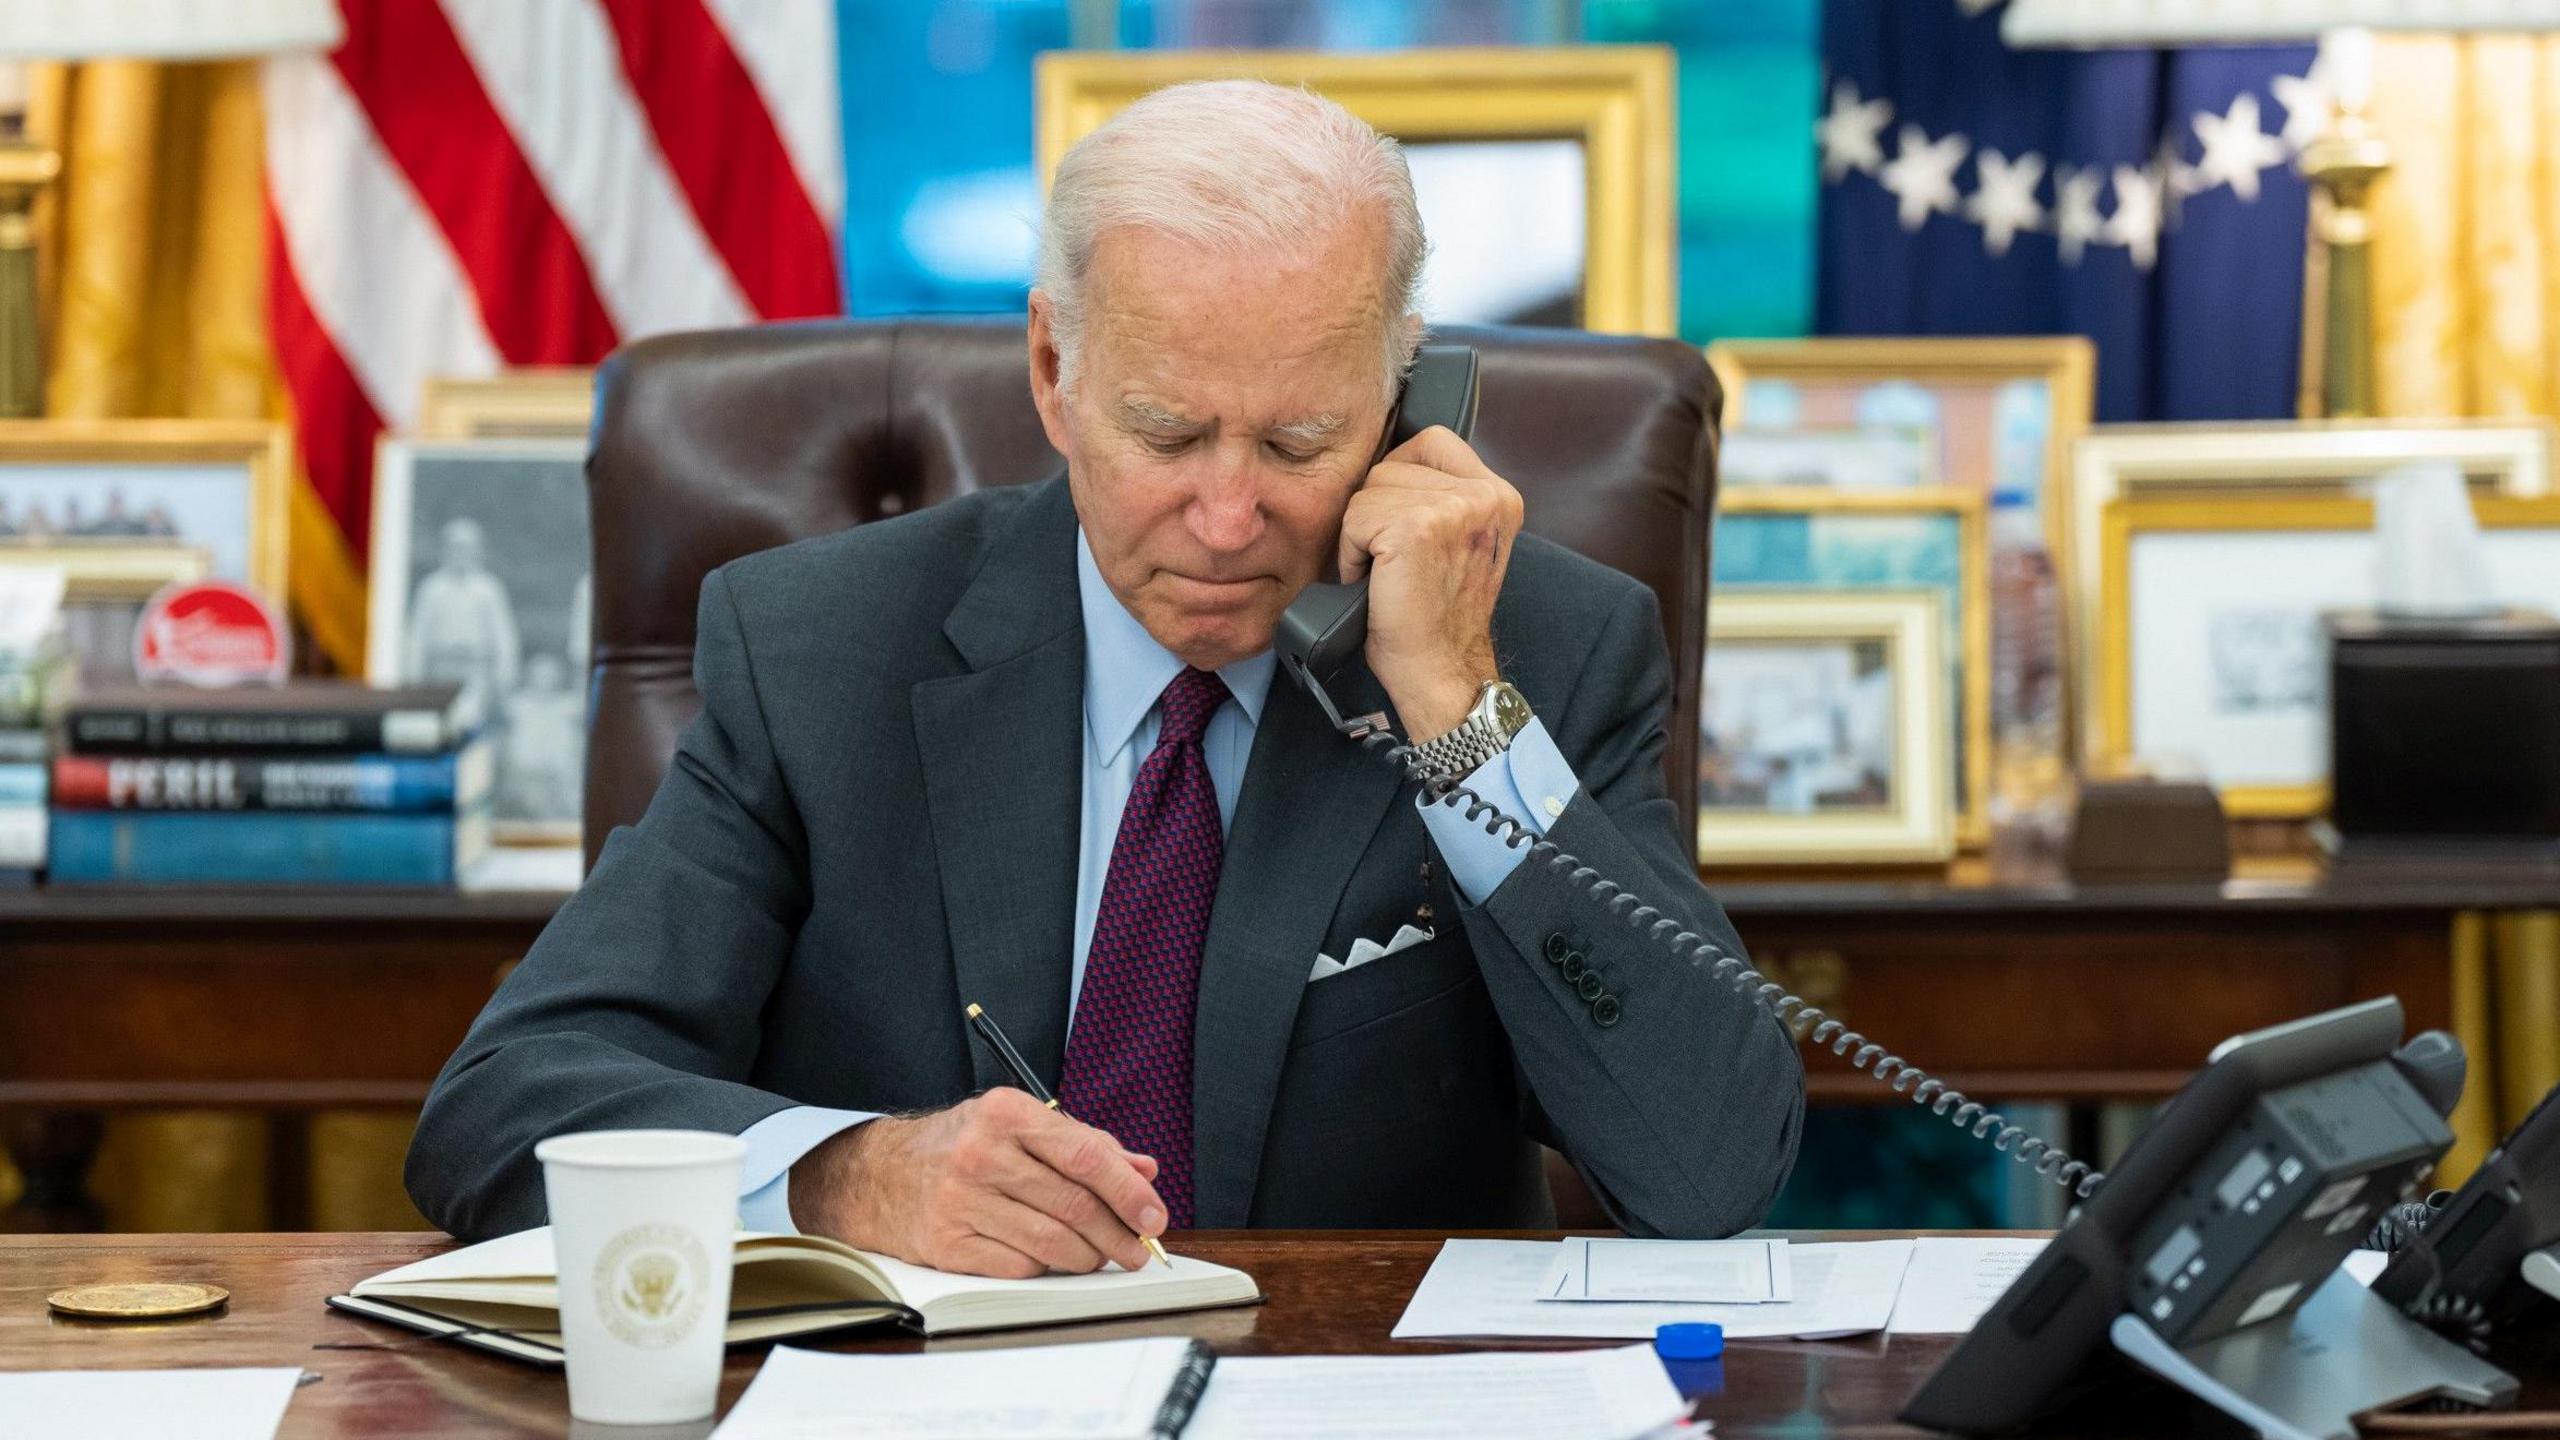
[1796,541]
[2005,410]
[482,576]
[542,402]
[2211,650]
[115,489]
[2301,459]
[123,507]
[1823,730]
[1545,175]
[1842,457]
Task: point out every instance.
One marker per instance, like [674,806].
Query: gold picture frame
[2290,458]
[1615,99]
[263,449]
[535,402]
[1917,824]
[2273,515]
[2067,364]
[1970,709]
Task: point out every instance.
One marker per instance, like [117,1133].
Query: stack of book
[37,676]
[313,783]
[33,684]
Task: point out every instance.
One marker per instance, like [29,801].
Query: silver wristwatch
[1500,713]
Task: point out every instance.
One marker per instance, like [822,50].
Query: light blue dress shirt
[1125,671]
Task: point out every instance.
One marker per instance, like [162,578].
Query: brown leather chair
[714,445]
[717,444]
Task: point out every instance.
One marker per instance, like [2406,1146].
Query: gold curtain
[2466,271]
[153,302]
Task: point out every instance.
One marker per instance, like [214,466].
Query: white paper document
[179,1404]
[1106,1391]
[1694,1272]
[1574,1395]
[1491,1287]
[1953,1279]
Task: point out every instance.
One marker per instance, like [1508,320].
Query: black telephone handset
[1328,623]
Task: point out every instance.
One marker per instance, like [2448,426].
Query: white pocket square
[1364,951]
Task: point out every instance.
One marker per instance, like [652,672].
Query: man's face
[1225,410]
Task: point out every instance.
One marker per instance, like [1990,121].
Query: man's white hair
[1239,166]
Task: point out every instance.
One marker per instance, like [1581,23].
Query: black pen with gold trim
[993,1034]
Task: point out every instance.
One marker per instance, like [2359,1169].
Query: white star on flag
[1922,174]
[2235,149]
[1852,133]
[2004,202]
[2076,221]
[2307,105]
[2136,223]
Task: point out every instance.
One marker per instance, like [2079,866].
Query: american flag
[467,185]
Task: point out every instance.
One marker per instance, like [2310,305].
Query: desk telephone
[2213,1259]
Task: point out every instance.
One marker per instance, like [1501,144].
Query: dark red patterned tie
[1128,1067]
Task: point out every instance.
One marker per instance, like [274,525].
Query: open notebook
[500,1295]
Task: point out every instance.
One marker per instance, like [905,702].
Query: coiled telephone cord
[1802,1019]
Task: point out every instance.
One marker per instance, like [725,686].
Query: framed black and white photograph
[1824,730]
[482,577]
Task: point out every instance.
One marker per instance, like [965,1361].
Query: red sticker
[211,633]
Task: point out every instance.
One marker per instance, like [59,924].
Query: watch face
[1510,709]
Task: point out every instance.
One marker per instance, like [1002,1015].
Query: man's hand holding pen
[999,1184]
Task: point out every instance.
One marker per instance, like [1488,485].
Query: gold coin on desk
[138,1301]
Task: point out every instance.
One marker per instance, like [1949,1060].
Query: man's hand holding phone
[1431,531]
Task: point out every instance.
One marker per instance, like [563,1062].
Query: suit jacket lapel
[1310,804]
[1004,779]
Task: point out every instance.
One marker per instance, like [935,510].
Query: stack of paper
[199,1404]
[1695,1272]
[1111,1391]
[1953,1279]
[1492,1288]
[1570,1395]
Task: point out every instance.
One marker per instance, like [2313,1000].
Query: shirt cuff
[1530,782]
[775,1144]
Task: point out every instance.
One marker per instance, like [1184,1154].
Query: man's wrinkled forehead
[1169,419]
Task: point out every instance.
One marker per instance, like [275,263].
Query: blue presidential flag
[2144,198]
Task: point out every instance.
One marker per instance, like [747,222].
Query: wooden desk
[1329,1294]
[2008,980]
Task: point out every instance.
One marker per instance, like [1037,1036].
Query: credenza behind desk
[2012,982]
[1327,1294]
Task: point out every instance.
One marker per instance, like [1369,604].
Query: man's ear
[1047,395]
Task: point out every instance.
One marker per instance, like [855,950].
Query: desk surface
[1329,1294]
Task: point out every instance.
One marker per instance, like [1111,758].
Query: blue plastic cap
[1688,1342]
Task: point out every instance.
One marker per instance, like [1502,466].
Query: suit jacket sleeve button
[1590,987]
[1572,967]
[1556,948]
[1605,1011]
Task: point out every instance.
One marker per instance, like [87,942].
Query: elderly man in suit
[1024,749]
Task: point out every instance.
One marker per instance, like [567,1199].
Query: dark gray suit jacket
[874,821]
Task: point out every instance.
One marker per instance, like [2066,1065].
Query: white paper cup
[644,1224]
